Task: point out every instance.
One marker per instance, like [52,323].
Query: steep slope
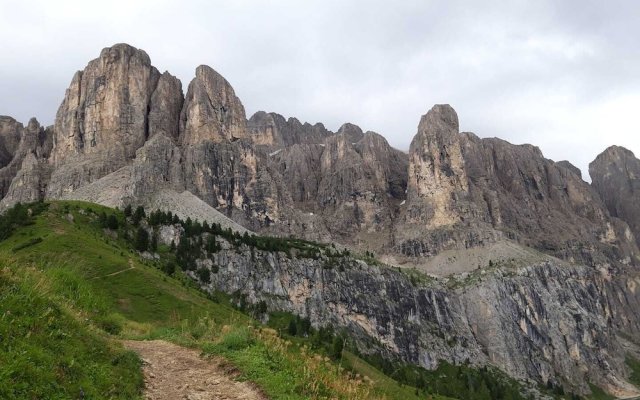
[211,111]
[123,121]
[545,322]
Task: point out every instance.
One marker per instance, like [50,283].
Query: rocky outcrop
[464,191]
[103,118]
[454,190]
[211,111]
[542,205]
[437,182]
[220,165]
[237,180]
[615,175]
[105,109]
[23,152]
[353,188]
[567,165]
[273,132]
[10,134]
[351,132]
[165,107]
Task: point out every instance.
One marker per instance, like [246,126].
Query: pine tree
[337,347]
[112,222]
[142,239]
[154,241]
[138,215]
[293,328]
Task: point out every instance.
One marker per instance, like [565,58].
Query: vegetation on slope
[84,270]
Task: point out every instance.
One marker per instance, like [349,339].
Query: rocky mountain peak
[104,112]
[436,167]
[612,154]
[440,120]
[126,52]
[273,132]
[165,107]
[211,110]
[10,133]
[568,166]
[352,132]
[615,175]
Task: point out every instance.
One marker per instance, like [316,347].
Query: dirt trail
[131,266]
[174,372]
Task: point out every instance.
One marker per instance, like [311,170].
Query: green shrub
[204,275]
[237,339]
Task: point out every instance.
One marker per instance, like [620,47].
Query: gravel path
[173,372]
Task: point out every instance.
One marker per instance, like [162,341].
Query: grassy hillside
[70,289]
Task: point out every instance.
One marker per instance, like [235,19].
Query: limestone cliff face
[165,107]
[464,191]
[105,107]
[454,190]
[541,204]
[211,111]
[103,118]
[10,134]
[439,213]
[616,177]
[23,170]
[125,134]
[437,177]
[567,165]
[539,322]
[237,180]
[352,133]
[220,165]
[353,188]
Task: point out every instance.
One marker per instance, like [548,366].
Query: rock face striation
[126,134]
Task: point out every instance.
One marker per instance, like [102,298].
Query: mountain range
[528,266]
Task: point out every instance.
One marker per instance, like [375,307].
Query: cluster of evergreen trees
[324,338]
[108,221]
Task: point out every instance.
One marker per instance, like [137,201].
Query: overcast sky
[563,75]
